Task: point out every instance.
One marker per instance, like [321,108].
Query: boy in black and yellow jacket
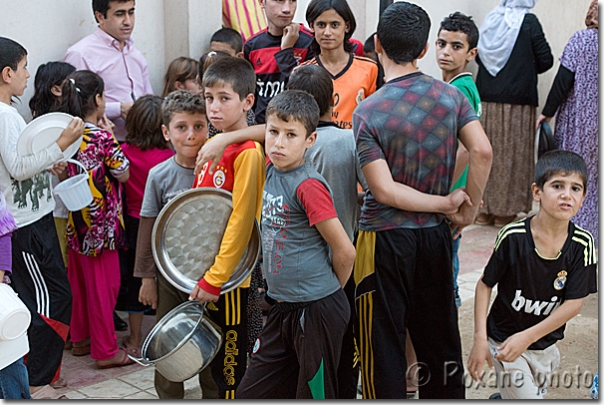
[229,86]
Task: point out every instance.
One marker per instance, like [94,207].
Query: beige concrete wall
[164,29]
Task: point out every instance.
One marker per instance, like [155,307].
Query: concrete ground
[578,349]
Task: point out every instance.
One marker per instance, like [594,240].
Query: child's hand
[106,124]
[456,199]
[58,168]
[479,353]
[513,347]
[202,295]
[291,33]
[72,133]
[211,151]
[148,292]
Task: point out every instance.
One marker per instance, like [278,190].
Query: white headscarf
[499,32]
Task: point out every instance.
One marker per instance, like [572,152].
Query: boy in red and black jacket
[275,51]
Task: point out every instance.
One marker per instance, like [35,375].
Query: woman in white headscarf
[512,51]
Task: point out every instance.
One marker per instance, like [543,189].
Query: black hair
[182,101]
[458,22]
[316,81]
[296,105]
[48,75]
[11,53]
[143,123]
[403,31]
[369,45]
[318,7]
[237,72]
[102,6]
[79,91]
[230,37]
[207,59]
[560,162]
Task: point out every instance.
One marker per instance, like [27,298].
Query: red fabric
[140,164]
[224,174]
[359,49]
[207,287]
[316,200]
[95,284]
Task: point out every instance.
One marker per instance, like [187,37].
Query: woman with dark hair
[354,77]
[574,95]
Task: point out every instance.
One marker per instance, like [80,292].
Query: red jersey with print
[352,85]
[241,171]
[273,65]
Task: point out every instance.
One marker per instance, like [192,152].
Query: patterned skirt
[511,131]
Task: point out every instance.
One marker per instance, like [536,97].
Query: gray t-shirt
[334,156]
[166,180]
[296,262]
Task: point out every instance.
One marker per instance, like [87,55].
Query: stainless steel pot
[182,343]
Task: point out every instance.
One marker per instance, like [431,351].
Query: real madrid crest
[560,280]
[219,178]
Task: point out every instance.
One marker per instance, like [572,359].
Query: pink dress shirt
[125,72]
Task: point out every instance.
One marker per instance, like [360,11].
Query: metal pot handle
[141,361]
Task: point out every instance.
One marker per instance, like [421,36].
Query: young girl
[354,77]
[96,232]
[47,96]
[25,182]
[181,75]
[145,147]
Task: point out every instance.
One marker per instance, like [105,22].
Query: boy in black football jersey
[543,266]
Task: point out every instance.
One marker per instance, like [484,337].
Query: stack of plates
[43,132]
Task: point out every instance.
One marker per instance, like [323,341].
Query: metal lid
[187,235]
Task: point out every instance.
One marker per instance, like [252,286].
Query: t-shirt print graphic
[35,189]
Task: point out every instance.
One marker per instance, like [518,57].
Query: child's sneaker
[593,391]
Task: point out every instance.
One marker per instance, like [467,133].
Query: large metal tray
[187,235]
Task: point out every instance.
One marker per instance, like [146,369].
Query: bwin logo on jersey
[534,307]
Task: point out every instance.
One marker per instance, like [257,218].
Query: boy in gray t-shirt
[186,128]
[298,351]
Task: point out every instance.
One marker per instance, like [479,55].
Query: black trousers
[348,369]
[40,279]
[405,280]
[298,351]
[228,367]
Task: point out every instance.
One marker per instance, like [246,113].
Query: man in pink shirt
[109,51]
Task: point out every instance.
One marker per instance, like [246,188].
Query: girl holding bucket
[96,231]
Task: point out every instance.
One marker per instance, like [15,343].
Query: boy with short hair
[406,136]
[276,50]
[544,266]
[229,85]
[456,45]
[185,126]
[227,40]
[307,260]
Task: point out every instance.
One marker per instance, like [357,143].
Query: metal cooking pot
[182,343]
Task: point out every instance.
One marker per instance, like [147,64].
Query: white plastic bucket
[14,315]
[74,191]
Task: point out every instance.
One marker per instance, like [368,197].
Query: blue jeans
[455,250]
[14,381]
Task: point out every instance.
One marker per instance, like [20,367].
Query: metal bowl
[187,235]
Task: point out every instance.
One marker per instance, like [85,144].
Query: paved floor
[136,382]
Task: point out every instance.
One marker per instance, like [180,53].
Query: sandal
[125,361]
[47,392]
[484,219]
[500,222]
[60,383]
[80,350]
[131,349]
